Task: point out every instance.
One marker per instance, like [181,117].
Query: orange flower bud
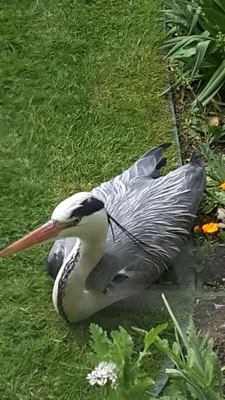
[222,186]
[197,229]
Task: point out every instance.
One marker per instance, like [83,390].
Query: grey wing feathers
[147,167]
[161,215]
[160,212]
[149,164]
[60,250]
[194,179]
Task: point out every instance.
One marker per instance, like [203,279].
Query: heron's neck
[70,284]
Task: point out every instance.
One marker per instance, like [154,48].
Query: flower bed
[195,54]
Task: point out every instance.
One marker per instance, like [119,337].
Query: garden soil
[210,301]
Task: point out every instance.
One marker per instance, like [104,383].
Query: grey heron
[116,240]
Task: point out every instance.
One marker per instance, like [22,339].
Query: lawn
[80,102]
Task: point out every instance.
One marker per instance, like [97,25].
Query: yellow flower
[197,229]
[210,228]
[222,186]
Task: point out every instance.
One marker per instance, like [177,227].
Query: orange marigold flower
[197,228]
[210,228]
[222,186]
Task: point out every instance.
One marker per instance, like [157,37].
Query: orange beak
[46,232]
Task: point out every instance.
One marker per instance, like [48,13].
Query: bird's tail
[195,160]
[150,163]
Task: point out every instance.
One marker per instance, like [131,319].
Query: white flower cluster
[103,373]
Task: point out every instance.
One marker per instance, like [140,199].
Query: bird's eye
[76,220]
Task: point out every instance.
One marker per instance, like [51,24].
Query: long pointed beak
[46,232]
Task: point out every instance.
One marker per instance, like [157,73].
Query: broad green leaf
[137,392]
[213,86]
[171,31]
[222,235]
[176,348]
[174,373]
[114,394]
[208,26]
[152,335]
[183,366]
[182,43]
[141,331]
[196,353]
[191,357]
[99,341]
[194,20]
[218,134]
[221,4]
[218,18]
[122,346]
[209,367]
[200,53]
[216,164]
[183,54]
[203,341]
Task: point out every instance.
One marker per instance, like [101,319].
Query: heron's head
[81,215]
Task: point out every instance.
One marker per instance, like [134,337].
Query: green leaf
[174,373]
[219,133]
[139,389]
[182,42]
[194,20]
[204,339]
[153,334]
[196,354]
[220,4]
[176,348]
[191,357]
[183,54]
[122,346]
[213,86]
[209,369]
[216,165]
[200,53]
[222,235]
[177,326]
[141,331]
[99,342]
[218,18]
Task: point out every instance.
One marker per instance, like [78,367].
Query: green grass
[79,102]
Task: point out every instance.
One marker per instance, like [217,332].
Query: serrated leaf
[176,348]
[121,348]
[209,368]
[100,343]
[153,334]
[191,357]
[137,392]
[174,373]
[204,341]
[195,352]
[138,330]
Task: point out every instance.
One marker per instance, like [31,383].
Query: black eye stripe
[89,206]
